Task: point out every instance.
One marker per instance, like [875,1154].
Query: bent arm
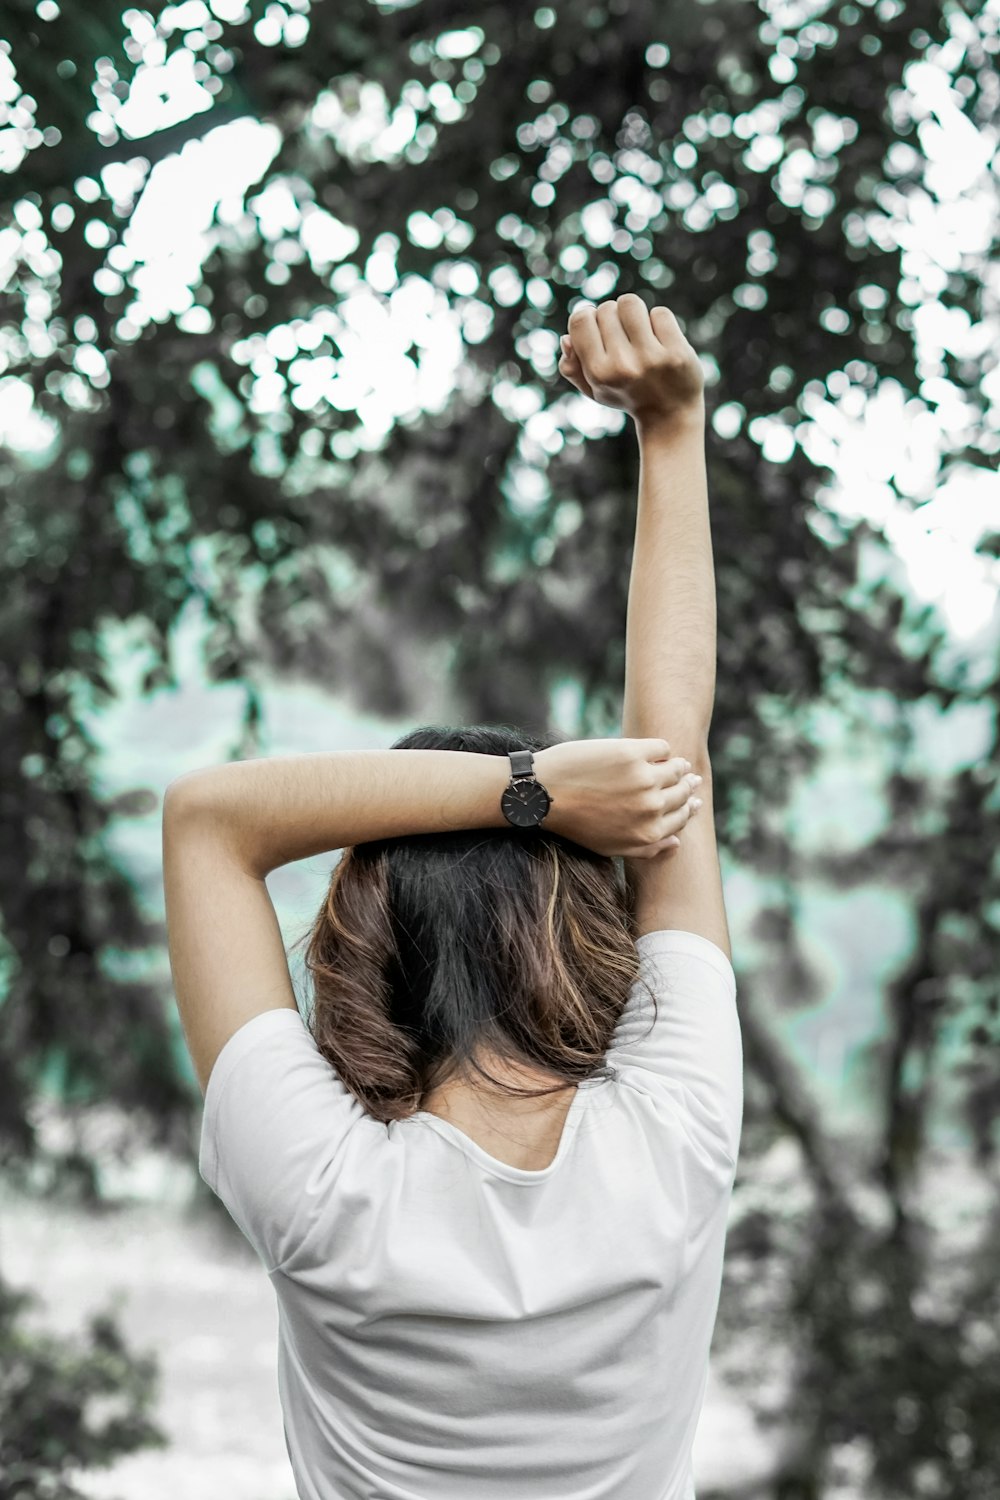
[226,827]
[281,808]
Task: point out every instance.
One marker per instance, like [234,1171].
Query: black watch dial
[525,803]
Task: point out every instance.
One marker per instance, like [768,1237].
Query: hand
[617,796]
[624,356]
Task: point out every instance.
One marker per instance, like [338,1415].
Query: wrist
[526,805]
[545,765]
[659,426]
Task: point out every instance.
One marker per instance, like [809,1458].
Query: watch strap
[520,762]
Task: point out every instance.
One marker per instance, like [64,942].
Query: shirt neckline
[492,1164]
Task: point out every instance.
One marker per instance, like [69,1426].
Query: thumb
[570,366]
[656,749]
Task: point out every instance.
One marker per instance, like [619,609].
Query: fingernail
[695,780]
[695,801]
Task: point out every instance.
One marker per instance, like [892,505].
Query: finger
[615,338]
[570,367]
[649,851]
[675,794]
[568,353]
[670,772]
[585,333]
[679,816]
[634,316]
[656,750]
[666,327]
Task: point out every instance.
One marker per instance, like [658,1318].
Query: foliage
[67,1408]
[750,169]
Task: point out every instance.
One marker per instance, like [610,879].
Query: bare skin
[522,1133]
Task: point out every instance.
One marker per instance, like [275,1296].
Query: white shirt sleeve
[275,1119]
[691,1057]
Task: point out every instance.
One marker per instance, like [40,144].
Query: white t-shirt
[453,1328]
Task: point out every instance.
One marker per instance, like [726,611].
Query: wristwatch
[525,801]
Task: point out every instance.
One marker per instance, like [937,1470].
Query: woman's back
[456,1325]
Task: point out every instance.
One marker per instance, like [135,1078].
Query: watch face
[525,803]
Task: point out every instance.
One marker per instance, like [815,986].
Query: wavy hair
[429,949]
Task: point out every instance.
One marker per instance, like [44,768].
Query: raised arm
[639,361]
[670,639]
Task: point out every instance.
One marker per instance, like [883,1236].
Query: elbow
[184,799]
[197,806]
[699,757]
[691,741]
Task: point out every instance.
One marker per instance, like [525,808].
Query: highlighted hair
[429,949]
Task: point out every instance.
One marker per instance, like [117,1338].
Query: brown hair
[430,948]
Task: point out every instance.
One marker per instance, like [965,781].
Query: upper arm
[227,957]
[682,888]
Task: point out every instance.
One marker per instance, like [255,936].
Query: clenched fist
[618,796]
[637,361]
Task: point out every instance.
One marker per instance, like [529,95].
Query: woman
[489,1184]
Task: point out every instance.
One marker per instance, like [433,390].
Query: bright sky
[867,441]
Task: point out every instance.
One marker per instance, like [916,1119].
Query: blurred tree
[66,1409]
[749,168]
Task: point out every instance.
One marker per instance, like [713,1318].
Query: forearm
[670,636]
[282,808]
